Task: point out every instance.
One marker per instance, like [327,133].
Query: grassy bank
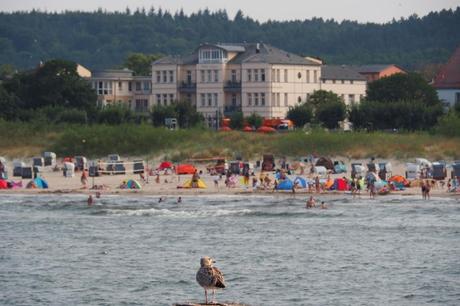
[23,140]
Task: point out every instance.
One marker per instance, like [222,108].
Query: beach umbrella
[266,129]
[301,182]
[225,129]
[285,185]
[133,184]
[248,129]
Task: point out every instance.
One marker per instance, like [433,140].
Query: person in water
[90,200]
[310,203]
[179,200]
[323,205]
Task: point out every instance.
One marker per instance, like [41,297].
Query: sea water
[130,250]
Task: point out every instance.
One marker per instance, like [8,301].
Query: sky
[379,11]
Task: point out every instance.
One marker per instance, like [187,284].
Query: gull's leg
[206,295]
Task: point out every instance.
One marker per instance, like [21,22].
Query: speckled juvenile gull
[209,277]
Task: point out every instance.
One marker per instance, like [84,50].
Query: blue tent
[301,182]
[40,183]
[285,185]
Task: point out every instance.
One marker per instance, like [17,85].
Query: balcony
[232,86]
[186,87]
[230,109]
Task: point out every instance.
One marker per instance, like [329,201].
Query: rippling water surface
[54,250]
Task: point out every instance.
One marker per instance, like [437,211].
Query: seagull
[209,277]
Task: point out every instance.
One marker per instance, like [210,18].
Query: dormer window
[212,55]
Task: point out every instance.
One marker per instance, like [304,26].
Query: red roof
[449,75]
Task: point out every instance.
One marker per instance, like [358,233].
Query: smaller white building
[447,81]
[344,81]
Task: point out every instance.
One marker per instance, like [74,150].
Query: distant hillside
[102,40]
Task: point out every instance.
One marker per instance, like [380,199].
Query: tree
[187,115]
[56,83]
[237,121]
[255,120]
[322,97]
[300,114]
[159,113]
[115,114]
[8,105]
[140,63]
[399,87]
[331,113]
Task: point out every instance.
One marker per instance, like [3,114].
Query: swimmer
[310,203]
[179,200]
[323,205]
[98,195]
[160,200]
[90,200]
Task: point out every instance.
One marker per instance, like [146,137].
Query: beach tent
[328,184]
[133,184]
[320,170]
[301,182]
[199,184]
[340,184]
[398,179]
[69,169]
[3,184]
[165,165]
[185,169]
[37,183]
[325,162]
[285,185]
[247,129]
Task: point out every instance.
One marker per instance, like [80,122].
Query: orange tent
[266,129]
[185,169]
[399,179]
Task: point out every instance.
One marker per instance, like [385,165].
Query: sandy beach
[168,184]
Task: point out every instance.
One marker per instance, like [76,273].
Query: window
[351,81]
[165,77]
[262,75]
[299,99]
[333,81]
[278,100]
[209,98]
[262,99]
[307,97]
[146,86]
[216,76]
[171,98]
[158,99]
[203,100]
[249,75]
[299,75]
[120,87]
[215,99]
[256,99]
[189,98]
[308,76]
[165,99]
[457,97]
[158,73]
[189,77]
[285,75]
[209,76]
[171,76]
[273,75]
[233,100]
[202,76]
[351,98]
[256,75]
[138,86]
[104,88]
[233,75]
[343,82]
[342,96]
[278,75]
[273,99]
[324,81]
[286,99]
[315,76]
[130,86]
[249,99]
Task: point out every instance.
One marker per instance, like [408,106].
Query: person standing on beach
[84,178]
[423,189]
[317,186]
[427,190]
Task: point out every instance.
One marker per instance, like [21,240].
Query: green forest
[103,39]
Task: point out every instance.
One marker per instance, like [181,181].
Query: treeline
[103,39]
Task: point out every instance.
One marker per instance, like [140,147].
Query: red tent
[225,129]
[185,169]
[165,165]
[247,129]
[266,129]
[3,184]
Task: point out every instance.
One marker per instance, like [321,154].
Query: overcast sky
[361,10]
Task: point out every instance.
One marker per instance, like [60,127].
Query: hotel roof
[449,75]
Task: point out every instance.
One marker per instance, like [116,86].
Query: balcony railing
[232,86]
[230,109]
[187,87]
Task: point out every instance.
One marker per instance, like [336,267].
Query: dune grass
[24,140]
